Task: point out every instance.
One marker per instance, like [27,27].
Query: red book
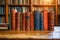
[51,21]
[13,12]
[45,12]
[17,21]
[32,21]
[27,21]
[23,21]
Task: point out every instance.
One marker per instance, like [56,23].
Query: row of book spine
[32,21]
[18,1]
[36,2]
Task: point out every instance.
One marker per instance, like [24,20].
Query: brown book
[3,19]
[51,21]
[32,21]
[13,12]
[23,21]
[17,21]
[45,13]
[27,21]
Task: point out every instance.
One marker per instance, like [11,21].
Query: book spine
[17,21]
[42,19]
[32,21]
[27,21]
[37,20]
[0,19]
[45,12]
[23,22]
[51,21]
[19,1]
[13,12]
[3,19]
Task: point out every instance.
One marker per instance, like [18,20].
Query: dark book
[13,12]
[32,21]
[27,21]
[45,13]
[51,21]
[36,20]
[17,21]
[42,21]
[23,22]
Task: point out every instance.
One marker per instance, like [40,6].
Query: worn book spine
[27,21]
[36,20]
[45,19]
[51,21]
[17,21]
[13,12]
[32,21]
[23,21]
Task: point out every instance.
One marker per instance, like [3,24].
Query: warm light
[47,1]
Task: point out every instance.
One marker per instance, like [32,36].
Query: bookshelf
[30,4]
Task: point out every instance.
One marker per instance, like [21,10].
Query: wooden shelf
[17,5]
[52,5]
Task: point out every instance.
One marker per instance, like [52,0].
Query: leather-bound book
[17,21]
[32,21]
[23,21]
[51,21]
[13,12]
[27,21]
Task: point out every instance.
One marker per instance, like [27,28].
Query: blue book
[37,24]
[42,21]
[0,19]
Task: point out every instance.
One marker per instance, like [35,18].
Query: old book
[51,21]
[17,21]
[45,13]
[32,21]
[36,20]
[27,21]
[13,12]
[23,22]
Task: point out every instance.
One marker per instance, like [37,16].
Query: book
[13,12]
[0,19]
[17,21]
[3,19]
[45,13]
[23,22]
[1,10]
[27,16]
[2,1]
[51,21]
[32,21]
[36,20]
[42,20]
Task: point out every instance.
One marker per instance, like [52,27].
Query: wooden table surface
[30,34]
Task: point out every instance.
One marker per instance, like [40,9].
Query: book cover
[32,21]
[13,12]
[45,13]
[51,21]
[23,22]
[17,21]
[36,20]
[27,21]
